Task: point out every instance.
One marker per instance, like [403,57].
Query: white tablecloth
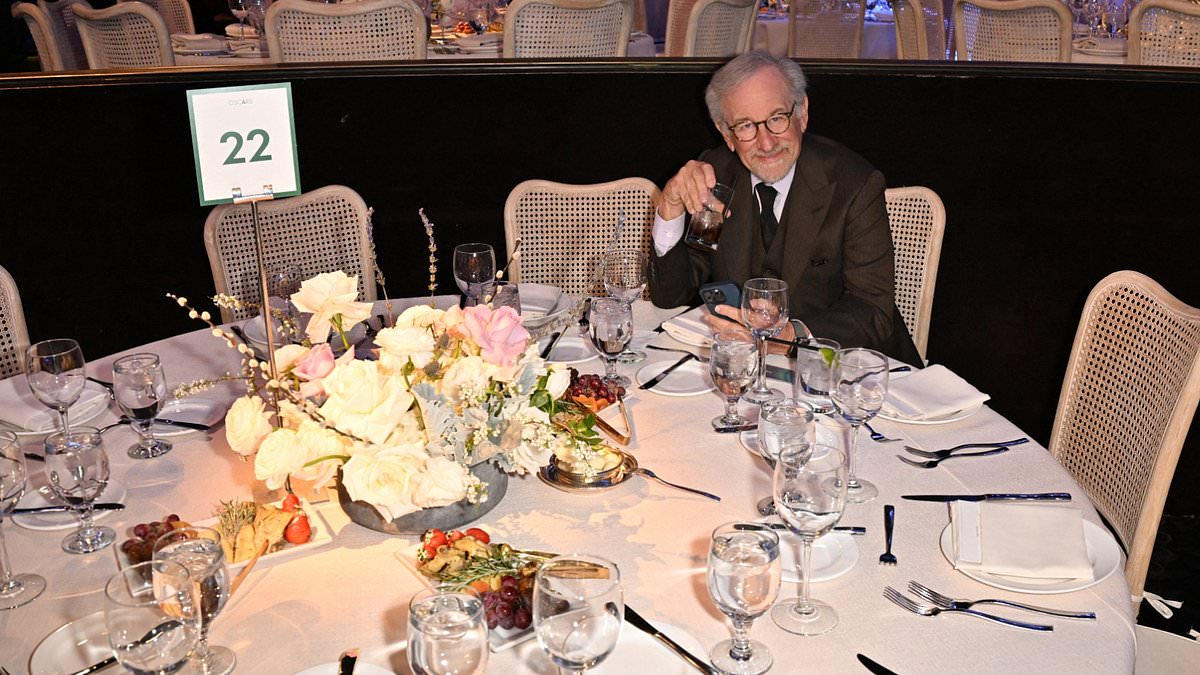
[878,41]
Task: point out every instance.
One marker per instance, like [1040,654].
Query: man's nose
[766,140]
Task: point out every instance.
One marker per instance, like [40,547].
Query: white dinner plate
[832,556]
[541,303]
[199,52]
[1101,46]
[1102,550]
[749,441]
[190,409]
[331,668]
[636,652]
[570,350]
[689,379]
[240,30]
[63,520]
[72,647]
[91,404]
[945,419]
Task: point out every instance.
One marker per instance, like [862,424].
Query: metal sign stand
[239,198]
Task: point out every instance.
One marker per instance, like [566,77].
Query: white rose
[386,477]
[466,378]
[557,383]
[419,316]
[246,424]
[398,345]
[278,455]
[318,443]
[365,402]
[287,356]
[443,482]
[325,296]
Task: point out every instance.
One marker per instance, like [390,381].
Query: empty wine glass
[743,580]
[15,589]
[141,388]
[625,279]
[54,370]
[77,472]
[610,324]
[732,364]
[810,494]
[447,634]
[860,384]
[765,313]
[577,610]
[199,550]
[786,422]
[238,9]
[474,271]
[256,12]
[151,616]
[814,372]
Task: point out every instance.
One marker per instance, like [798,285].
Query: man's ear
[804,114]
[726,136]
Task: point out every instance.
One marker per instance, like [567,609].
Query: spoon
[650,474]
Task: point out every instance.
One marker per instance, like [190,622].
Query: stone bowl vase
[450,517]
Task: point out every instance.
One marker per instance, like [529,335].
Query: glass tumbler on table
[15,589]
[151,617]
[743,581]
[765,313]
[578,609]
[475,271]
[610,324]
[447,634]
[199,550]
[140,387]
[815,358]
[860,386]
[732,364]
[55,372]
[625,280]
[77,472]
[782,423]
[704,230]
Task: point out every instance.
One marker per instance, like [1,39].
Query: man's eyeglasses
[776,124]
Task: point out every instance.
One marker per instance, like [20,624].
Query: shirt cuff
[666,233]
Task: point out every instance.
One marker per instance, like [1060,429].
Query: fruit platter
[587,395]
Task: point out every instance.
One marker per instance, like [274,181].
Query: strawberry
[454,535]
[291,503]
[479,535]
[298,531]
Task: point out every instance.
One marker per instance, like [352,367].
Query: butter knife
[993,497]
[347,661]
[58,508]
[874,667]
[652,382]
[643,625]
[554,338]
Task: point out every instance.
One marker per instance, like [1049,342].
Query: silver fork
[889,520]
[946,602]
[880,438]
[910,605]
[701,359]
[934,462]
[939,454]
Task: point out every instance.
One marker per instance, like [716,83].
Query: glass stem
[62,416]
[731,410]
[85,519]
[145,432]
[852,481]
[7,585]
[740,649]
[804,606]
[761,380]
[610,368]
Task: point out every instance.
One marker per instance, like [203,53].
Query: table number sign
[244,142]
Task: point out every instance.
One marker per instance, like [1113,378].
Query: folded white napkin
[239,46]
[1021,539]
[1103,44]
[19,408]
[930,393]
[198,41]
[481,40]
[690,327]
[240,30]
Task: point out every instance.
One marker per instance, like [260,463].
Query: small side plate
[550,476]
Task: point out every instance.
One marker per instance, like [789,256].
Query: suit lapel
[807,204]
[740,235]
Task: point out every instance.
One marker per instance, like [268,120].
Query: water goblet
[577,610]
[238,9]
[860,385]
[810,494]
[199,550]
[447,634]
[704,230]
[140,388]
[786,422]
[610,324]
[151,616]
[743,580]
[77,472]
[15,589]
[765,313]
[56,375]
[814,372]
[732,364]
[474,271]
[625,279]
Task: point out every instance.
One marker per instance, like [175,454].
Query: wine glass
[199,550]
[238,9]
[54,370]
[610,323]
[256,12]
[474,271]
[765,313]
[77,471]
[810,493]
[860,379]
[625,279]
[785,422]
[283,281]
[814,372]
[446,633]
[577,610]
[15,589]
[140,388]
[743,580]
[151,616]
[732,364]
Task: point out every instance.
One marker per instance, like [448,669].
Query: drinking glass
[199,550]
[743,580]
[814,372]
[283,281]
[54,370]
[577,610]
[15,589]
[256,12]
[625,279]
[732,364]
[150,614]
[447,634]
[140,388]
[810,493]
[610,323]
[77,471]
[474,271]
[860,385]
[786,422]
[765,313]
[506,294]
[704,230]
[238,9]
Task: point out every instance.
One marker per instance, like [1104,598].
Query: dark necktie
[766,214]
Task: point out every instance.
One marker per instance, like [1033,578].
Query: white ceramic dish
[540,304]
[945,419]
[833,555]
[636,652]
[65,520]
[72,647]
[690,379]
[570,350]
[190,409]
[41,420]
[1101,46]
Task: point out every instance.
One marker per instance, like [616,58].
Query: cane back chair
[567,28]
[42,32]
[1165,33]
[126,35]
[920,30]
[14,336]
[1012,30]
[62,20]
[825,29]
[177,14]
[918,221]
[371,30]
[720,28]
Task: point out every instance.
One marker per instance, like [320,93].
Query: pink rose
[499,334]
[313,367]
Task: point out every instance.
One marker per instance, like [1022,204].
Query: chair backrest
[42,32]
[920,30]
[567,28]
[679,15]
[1165,33]
[720,28]
[1127,402]
[62,20]
[126,35]
[370,30]
[564,229]
[1012,30]
[177,14]
[325,230]
[818,29]
[918,222]
[14,336]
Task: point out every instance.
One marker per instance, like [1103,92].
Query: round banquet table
[878,40]
[301,610]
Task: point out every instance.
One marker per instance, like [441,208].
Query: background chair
[42,31]
[1163,653]
[565,228]
[177,14]
[920,30]
[1012,30]
[62,20]
[14,336]
[1164,33]
[918,221]
[1128,397]
[126,35]
[371,30]
[819,29]
[718,28]
[567,28]
[325,230]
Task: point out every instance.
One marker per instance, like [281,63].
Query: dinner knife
[554,338]
[347,661]
[848,529]
[873,666]
[58,508]
[643,625]
[652,382]
[150,635]
[996,496]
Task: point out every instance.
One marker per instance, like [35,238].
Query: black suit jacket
[833,248]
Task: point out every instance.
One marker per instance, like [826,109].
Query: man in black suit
[815,218]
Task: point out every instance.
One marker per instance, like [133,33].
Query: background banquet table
[878,40]
[303,610]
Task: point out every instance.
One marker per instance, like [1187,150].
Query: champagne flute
[810,493]
[446,633]
[474,271]
[610,323]
[77,471]
[150,615]
[743,580]
[199,550]
[15,589]
[577,610]
[765,313]
[782,423]
[56,375]
[860,381]
[732,364]
[140,388]
[625,279]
